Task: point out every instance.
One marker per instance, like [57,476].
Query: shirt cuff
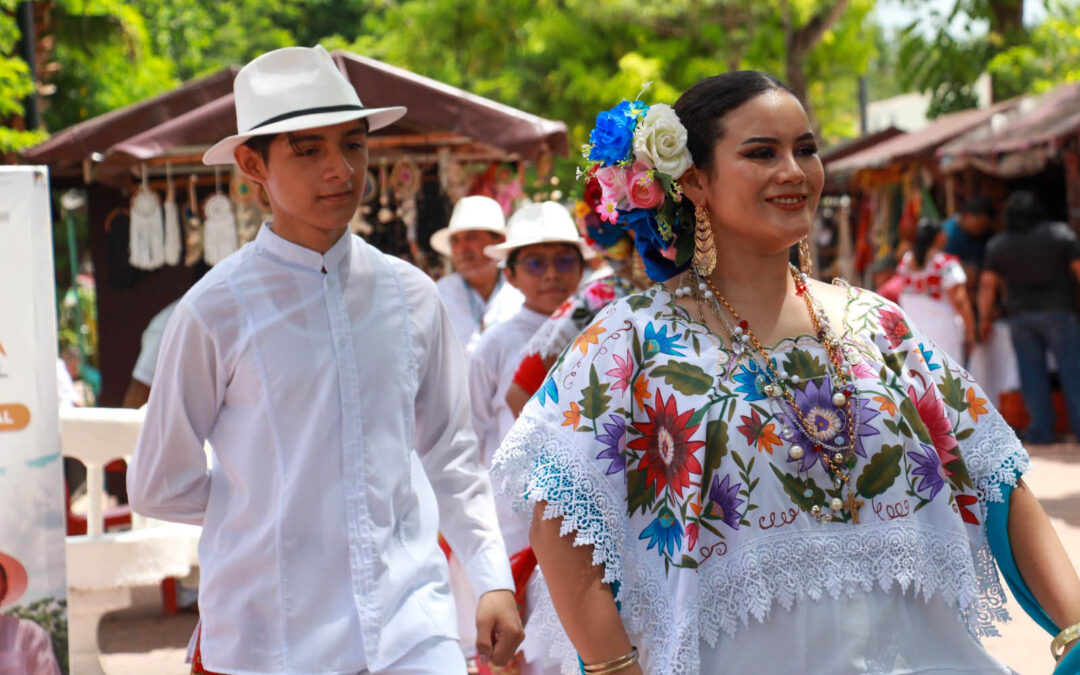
[489,570]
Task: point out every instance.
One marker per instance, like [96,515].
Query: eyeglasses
[537,266]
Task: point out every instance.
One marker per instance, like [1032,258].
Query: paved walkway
[156,646]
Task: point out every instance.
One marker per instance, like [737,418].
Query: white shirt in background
[470,313]
[313,377]
[151,343]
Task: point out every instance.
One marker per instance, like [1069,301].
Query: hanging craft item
[250,213]
[192,227]
[359,224]
[172,221]
[219,239]
[147,239]
[405,179]
[453,177]
[385,214]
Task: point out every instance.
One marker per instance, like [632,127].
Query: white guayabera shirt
[313,377]
[470,313]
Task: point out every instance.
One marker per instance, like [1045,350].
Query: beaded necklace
[838,452]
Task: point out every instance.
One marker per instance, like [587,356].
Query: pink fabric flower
[613,184]
[644,191]
[608,210]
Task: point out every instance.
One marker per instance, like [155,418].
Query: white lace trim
[773,569]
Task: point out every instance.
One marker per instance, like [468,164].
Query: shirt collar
[267,241]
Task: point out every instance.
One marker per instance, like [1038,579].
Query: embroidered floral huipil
[658,446]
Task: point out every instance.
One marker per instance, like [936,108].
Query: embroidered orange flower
[757,433]
[573,416]
[885,404]
[588,337]
[641,391]
[976,405]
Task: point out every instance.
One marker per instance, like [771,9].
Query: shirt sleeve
[482,386]
[168,477]
[952,273]
[37,649]
[447,447]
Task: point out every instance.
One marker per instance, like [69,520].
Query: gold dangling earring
[704,246]
[806,262]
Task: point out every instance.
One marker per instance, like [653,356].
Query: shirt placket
[357,514]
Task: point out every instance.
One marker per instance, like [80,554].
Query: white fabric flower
[660,140]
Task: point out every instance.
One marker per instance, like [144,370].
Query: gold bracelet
[614,665]
[1063,639]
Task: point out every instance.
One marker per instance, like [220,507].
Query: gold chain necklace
[838,458]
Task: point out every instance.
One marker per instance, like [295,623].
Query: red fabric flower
[593,193]
[895,327]
[669,453]
[931,411]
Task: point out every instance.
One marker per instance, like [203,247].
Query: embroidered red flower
[931,411]
[763,435]
[962,502]
[669,453]
[894,325]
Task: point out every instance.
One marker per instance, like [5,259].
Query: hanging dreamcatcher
[405,181]
[193,248]
[147,237]
[219,237]
[173,243]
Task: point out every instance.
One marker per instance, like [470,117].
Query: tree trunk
[800,41]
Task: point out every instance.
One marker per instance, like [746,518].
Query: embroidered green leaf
[594,399]
[892,427]
[688,562]
[636,342]
[796,488]
[638,494]
[805,365]
[907,409]
[716,442]
[686,378]
[965,434]
[882,471]
[895,361]
[952,390]
[639,301]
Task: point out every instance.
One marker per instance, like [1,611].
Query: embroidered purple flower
[659,342]
[827,421]
[665,532]
[929,469]
[724,501]
[615,440]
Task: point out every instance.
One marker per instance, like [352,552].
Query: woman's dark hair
[702,108]
[926,231]
[1023,211]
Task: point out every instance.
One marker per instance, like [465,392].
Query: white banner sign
[33,619]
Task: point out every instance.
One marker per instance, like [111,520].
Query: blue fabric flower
[613,136]
[603,233]
[548,389]
[659,342]
[665,532]
[649,243]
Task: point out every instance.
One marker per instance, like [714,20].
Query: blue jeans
[1033,333]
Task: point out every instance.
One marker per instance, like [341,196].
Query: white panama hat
[291,89]
[470,213]
[539,223]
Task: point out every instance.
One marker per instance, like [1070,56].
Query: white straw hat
[542,223]
[292,89]
[470,213]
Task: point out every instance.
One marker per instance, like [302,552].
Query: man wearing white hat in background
[314,365]
[476,295]
[544,258]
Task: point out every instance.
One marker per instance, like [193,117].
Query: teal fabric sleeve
[997,532]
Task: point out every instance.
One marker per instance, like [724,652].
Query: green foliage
[1051,58]
[15,83]
[50,614]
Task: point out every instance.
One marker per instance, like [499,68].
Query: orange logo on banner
[13,416]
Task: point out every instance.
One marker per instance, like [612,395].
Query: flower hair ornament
[636,152]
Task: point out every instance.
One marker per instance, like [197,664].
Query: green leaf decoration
[907,409]
[638,494]
[716,446]
[594,399]
[895,361]
[688,562]
[892,427]
[882,471]
[965,434]
[952,390]
[805,365]
[796,488]
[636,342]
[639,301]
[686,378]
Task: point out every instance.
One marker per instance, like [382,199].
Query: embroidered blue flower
[615,440]
[613,136]
[660,343]
[751,382]
[548,389]
[724,501]
[665,531]
[929,469]
[927,355]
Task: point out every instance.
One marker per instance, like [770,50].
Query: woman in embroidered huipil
[757,472]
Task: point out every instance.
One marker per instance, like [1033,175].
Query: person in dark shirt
[967,234]
[1038,262]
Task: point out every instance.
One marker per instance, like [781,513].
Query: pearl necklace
[837,452]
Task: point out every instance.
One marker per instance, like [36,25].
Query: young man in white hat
[544,259]
[314,365]
[476,295]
